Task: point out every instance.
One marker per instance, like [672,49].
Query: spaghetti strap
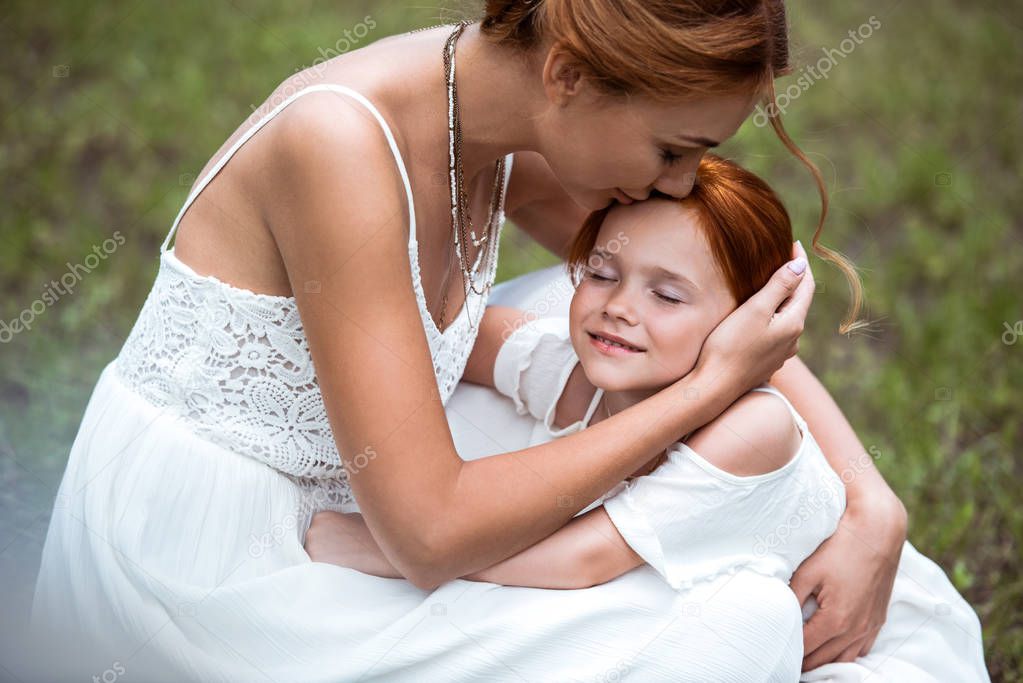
[277,110]
[597,395]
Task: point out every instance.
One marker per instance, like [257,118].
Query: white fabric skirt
[170,558]
[177,560]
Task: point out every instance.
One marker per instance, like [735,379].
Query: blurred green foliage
[109,109]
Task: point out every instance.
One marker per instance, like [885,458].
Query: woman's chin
[592,200]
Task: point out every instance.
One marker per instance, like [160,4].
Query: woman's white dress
[175,547]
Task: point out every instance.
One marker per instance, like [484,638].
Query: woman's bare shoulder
[326,151]
[318,122]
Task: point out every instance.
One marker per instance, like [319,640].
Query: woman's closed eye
[669,157]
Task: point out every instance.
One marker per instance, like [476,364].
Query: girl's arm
[853,572]
[587,551]
[498,323]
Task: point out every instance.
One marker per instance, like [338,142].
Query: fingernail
[800,245]
[798,266]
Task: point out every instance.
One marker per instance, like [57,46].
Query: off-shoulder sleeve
[692,522]
[533,366]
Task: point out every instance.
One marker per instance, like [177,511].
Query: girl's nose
[618,306]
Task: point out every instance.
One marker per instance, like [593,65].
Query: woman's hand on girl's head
[756,339]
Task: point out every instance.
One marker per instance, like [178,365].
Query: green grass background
[107,110]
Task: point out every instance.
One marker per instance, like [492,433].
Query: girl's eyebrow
[670,275]
[656,270]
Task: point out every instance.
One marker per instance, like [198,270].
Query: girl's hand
[756,339]
[345,540]
[851,576]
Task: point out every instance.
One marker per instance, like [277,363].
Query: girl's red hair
[744,221]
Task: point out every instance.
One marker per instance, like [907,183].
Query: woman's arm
[853,572]
[336,207]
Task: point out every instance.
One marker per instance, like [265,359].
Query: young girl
[749,494]
[751,489]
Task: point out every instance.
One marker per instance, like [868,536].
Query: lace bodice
[234,366]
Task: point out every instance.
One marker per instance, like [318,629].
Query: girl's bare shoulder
[755,435]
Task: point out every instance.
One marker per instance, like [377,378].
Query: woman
[176,540]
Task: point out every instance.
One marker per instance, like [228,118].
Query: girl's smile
[612,345]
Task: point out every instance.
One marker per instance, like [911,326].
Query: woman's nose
[678,181]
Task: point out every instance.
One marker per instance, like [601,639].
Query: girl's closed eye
[667,298]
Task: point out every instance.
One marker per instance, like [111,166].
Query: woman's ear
[563,76]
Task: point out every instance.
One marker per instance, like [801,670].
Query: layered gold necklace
[461,222]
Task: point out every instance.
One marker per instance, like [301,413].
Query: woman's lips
[610,349]
[623,198]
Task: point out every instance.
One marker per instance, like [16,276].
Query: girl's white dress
[175,547]
[688,519]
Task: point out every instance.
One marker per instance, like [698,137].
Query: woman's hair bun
[511,21]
